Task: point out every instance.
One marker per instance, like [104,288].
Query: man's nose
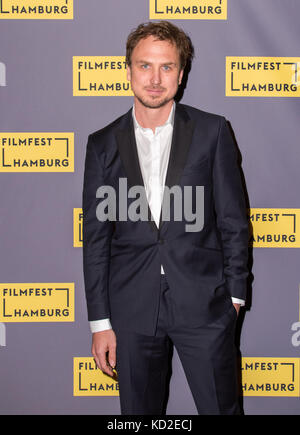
[156,77]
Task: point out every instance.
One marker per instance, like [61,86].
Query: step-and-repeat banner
[63,76]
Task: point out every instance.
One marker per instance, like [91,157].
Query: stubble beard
[153,104]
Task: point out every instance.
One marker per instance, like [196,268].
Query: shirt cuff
[238,301]
[100,325]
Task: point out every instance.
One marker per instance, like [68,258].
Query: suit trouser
[207,354]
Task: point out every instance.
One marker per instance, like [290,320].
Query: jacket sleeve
[231,212]
[96,239]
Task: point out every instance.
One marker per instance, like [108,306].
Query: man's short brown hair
[163,31]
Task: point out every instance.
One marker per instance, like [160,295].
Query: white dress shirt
[153,152]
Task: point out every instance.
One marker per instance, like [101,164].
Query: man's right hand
[104,350]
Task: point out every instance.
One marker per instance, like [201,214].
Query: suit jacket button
[161,241]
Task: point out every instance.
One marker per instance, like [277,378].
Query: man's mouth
[154,91]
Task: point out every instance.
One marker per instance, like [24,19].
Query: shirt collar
[170,120]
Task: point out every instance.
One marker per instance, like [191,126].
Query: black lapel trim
[129,156]
[181,139]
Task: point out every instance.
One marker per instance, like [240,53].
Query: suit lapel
[128,152]
[181,139]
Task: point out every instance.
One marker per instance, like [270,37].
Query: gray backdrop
[36,365]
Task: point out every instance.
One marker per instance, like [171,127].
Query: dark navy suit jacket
[122,259]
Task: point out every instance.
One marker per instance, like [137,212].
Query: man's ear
[180,76]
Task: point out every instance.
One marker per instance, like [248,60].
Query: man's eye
[145,66]
[166,67]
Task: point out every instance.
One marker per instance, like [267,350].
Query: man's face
[154,72]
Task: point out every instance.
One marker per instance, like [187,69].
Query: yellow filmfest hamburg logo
[77,227]
[274,227]
[36,9]
[188,9]
[100,76]
[37,302]
[37,152]
[270,377]
[262,76]
[88,380]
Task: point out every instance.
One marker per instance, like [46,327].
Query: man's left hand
[237,307]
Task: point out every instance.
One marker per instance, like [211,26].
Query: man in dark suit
[155,282]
